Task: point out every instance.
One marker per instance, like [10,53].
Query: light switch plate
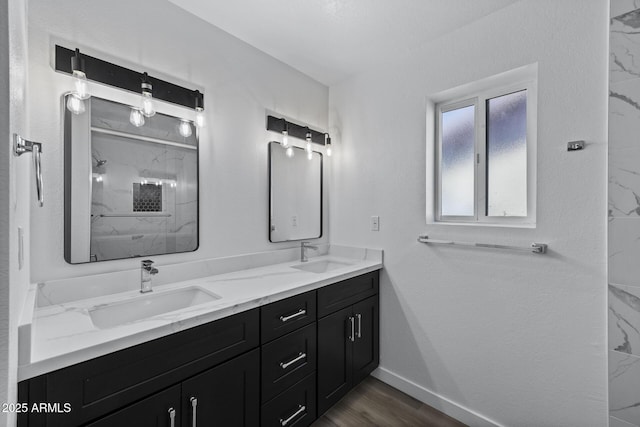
[375,223]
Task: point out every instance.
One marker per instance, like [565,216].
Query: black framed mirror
[131,190]
[295,194]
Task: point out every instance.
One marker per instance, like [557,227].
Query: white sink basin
[148,305]
[321,266]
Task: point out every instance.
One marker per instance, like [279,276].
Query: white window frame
[478,94]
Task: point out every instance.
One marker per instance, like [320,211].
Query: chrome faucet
[303,250]
[147,270]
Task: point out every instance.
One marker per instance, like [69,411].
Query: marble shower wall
[624,214]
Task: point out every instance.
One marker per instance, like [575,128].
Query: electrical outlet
[294,221]
[375,223]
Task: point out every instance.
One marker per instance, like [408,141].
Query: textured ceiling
[332,39]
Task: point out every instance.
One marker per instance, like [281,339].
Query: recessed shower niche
[130,191]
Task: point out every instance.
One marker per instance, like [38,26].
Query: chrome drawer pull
[300,312]
[359,334]
[301,356]
[194,407]
[301,409]
[352,337]
[172,417]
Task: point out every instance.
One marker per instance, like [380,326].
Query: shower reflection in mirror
[141,197]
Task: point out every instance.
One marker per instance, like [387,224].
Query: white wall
[5,156]
[516,338]
[239,82]
[15,196]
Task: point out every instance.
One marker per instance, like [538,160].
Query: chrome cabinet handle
[285,365]
[359,316]
[172,417]
[300,312]
[352,337]
[194,407]
[301,409]
[21,146]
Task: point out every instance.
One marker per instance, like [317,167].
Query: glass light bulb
[185,128]
[136,118]
[308,147]
[81,85]
[285,138]
[309,155]
[75,104]
[147,107]
[289,151]
[329,151]
[200,117]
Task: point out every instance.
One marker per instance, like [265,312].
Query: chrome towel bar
[536,248]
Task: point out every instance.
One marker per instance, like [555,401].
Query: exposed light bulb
[328,151]
[327,143]
[309,155]
[136,118]
[289,151]
[308,138]
[200,122]
[99,178]
[285,138]
[147,107]
[81,85]
[75,104]
[185,128]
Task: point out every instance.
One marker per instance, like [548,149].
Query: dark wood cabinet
[227,395]
[348,339]
[288,361]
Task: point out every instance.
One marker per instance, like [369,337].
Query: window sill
[484,224]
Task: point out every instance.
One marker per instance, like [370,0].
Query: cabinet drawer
[157,411]
[342,294]
[287,360]
[296,407]
[285,316]
[101,385]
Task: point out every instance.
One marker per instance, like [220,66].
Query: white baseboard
[442,404]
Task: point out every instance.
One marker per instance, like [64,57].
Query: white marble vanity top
[57,332]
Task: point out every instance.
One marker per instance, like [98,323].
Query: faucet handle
[147,263]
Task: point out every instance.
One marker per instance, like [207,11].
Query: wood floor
[374,403]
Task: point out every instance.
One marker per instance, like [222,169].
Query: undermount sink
[148,305]
[321,266]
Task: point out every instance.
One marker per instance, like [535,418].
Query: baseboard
[441,403]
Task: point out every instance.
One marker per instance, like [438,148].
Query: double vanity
[261,339]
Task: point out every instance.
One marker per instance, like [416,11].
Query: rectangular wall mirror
[130,191]
[295,194]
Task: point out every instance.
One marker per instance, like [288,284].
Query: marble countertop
[57,335]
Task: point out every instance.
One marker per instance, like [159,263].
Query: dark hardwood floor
[374,403]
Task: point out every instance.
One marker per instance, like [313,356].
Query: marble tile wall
[624,214]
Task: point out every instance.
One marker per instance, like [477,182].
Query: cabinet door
[334,358]
[227,395]
[366,347]
[158,410]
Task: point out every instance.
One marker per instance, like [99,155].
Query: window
[484,150]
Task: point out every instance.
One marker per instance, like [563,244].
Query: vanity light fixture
[146,105]
[184,128]
[327,144]
[199,110]
[75,101]
[292,130]
[136,117]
